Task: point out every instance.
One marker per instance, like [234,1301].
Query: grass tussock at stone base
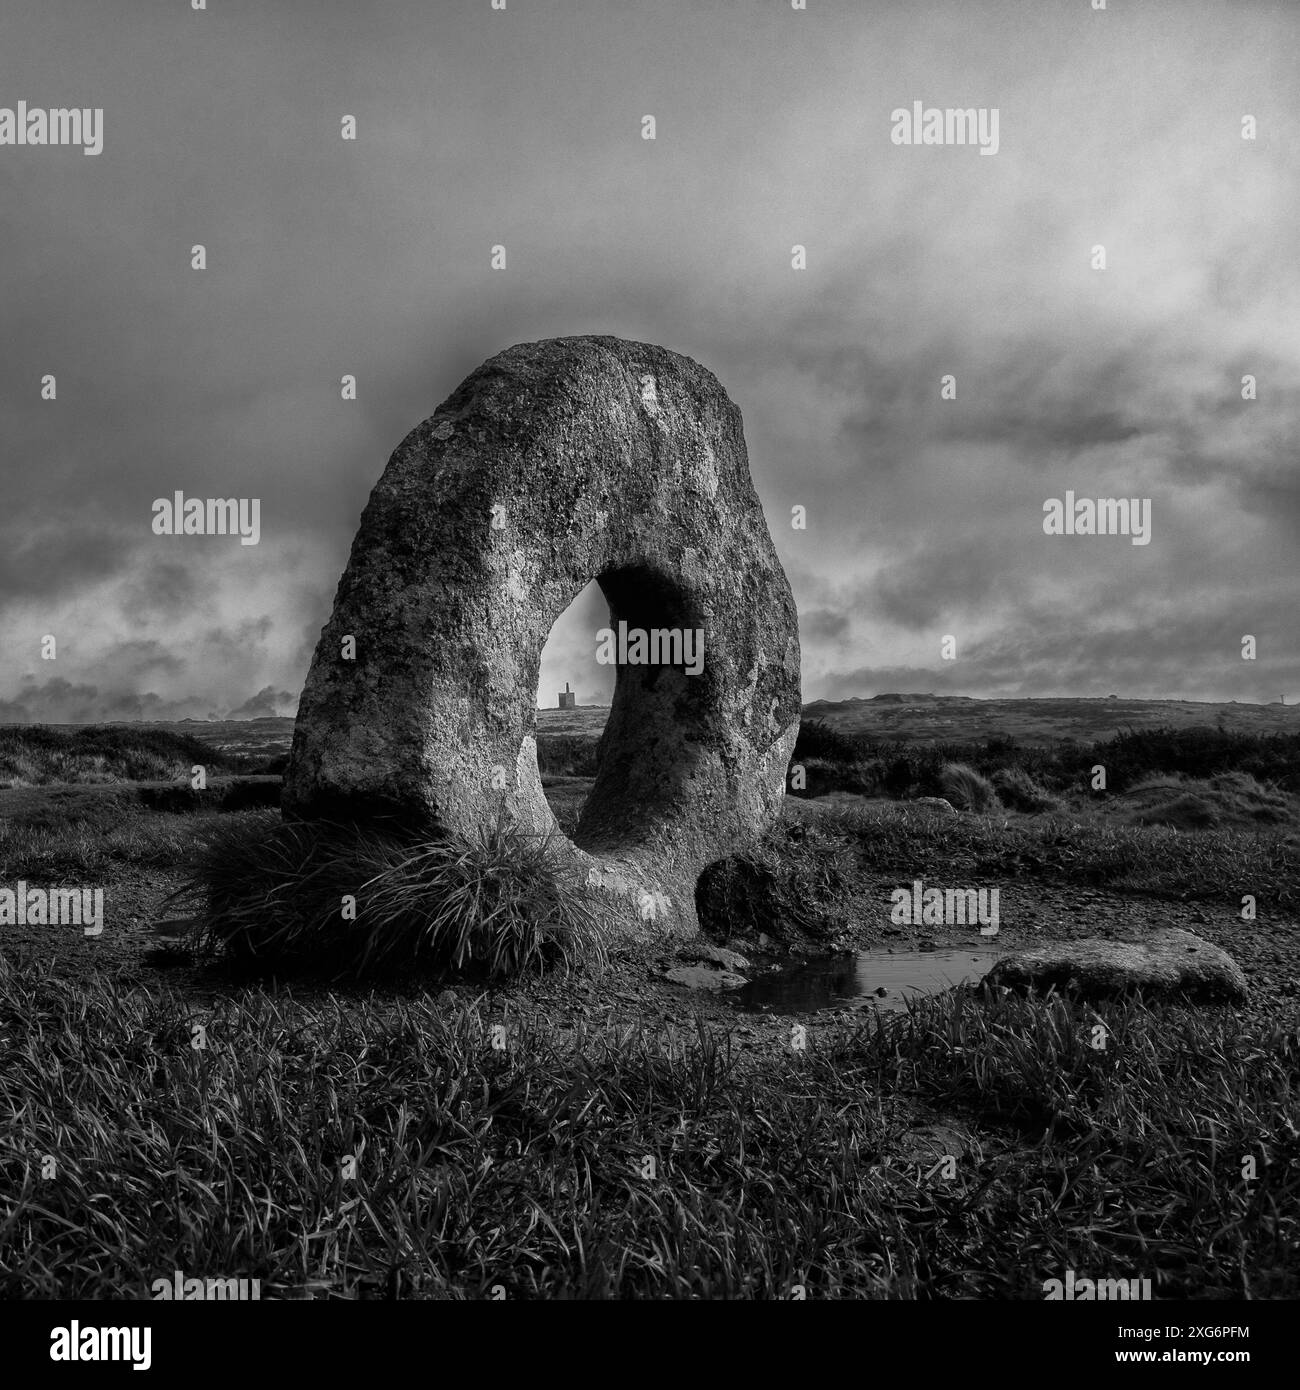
[359,1148]
[355,901]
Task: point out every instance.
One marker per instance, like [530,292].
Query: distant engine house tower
[568,698]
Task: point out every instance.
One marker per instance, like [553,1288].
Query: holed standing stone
[556,463]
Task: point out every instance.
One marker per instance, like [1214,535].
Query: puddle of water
[852,981]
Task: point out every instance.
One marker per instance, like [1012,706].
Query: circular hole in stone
[616,762]
[573,697]
[659,716]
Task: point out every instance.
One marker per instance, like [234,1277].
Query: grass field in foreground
[356,1147]
[353,1149]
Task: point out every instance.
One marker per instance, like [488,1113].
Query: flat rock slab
[929,1143]
[715,955]
[554,464]
[704,977]
[1171,962]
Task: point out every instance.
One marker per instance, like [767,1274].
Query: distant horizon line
[807,704]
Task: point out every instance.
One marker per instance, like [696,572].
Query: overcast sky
[1120,128]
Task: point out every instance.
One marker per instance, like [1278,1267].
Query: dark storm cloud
[159,589]
[1070,429]
[930,588]
[822,623]
[1199,656]
[58,701]
[41,560]
[251,632]
[144,657]
[522,128]
[266,703]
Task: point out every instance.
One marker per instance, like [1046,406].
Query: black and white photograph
[649,652]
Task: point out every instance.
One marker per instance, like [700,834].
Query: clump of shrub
[1017,789]
[1244,793]
[967,789]
[1229,799]
[788,885]
[239,794]
[823,775]
[866,778]
[494,905]
[915,769]
[1187,812]
[818,739]
[34,755]
[899,777]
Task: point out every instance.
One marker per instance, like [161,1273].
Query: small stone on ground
[1171,962]
[703,977]
[717,955]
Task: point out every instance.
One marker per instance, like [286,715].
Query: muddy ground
[632,991]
